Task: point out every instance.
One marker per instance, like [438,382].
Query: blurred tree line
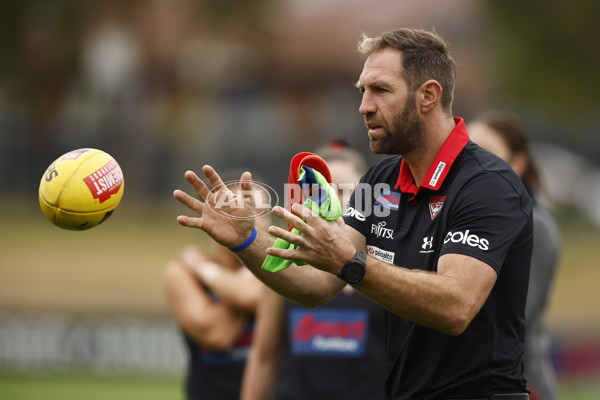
[540,57]
[544,55]
[541,52]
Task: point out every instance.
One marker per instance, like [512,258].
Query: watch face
[354,272]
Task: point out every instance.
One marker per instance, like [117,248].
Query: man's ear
[429,95]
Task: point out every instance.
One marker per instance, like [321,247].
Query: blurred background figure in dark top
[213,299]
[503,134]
[333,351]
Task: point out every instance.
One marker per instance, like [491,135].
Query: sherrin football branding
[105,182]
[73,155]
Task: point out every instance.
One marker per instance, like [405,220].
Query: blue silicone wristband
[247,243]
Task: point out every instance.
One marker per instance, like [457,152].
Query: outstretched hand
[226,216]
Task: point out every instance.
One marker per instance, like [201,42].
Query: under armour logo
[427,243]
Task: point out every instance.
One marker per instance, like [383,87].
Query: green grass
[88,387]
[579,391]
[100,387]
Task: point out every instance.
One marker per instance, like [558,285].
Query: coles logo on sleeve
[467,238]
[328,331]
[106,181]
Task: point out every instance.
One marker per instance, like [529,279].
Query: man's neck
[434,137]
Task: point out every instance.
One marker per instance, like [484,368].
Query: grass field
[117,268]
[90,387]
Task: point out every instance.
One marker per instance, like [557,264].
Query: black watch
[354,270]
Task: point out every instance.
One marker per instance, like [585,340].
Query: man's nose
[367,106]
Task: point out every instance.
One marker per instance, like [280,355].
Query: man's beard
[404,134]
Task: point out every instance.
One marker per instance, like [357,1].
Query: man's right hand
[226,216]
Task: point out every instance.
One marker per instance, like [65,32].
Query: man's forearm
[302,284]
[445,300]
[394,289]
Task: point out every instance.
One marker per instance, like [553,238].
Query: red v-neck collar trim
[438,170]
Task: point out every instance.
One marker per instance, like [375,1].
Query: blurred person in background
[503,134]
[333,351]
[213,298]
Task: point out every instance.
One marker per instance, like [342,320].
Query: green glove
[322,201]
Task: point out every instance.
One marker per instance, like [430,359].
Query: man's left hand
[322,244]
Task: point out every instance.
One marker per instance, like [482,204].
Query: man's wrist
[246,243]
[354,270]
[347,260]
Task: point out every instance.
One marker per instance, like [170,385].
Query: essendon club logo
[435,205]
[105,182]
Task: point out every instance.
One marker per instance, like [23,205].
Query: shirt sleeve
[489,216]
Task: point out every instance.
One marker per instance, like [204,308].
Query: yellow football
[81,189]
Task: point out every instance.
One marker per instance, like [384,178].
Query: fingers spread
[305,213]
[190,222]
[291,219]
[283,253]
[290,237]
[189,201]
[198,185]
[246,181]
[213,178]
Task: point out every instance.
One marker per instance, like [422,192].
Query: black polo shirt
[470,203]
[332,352]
